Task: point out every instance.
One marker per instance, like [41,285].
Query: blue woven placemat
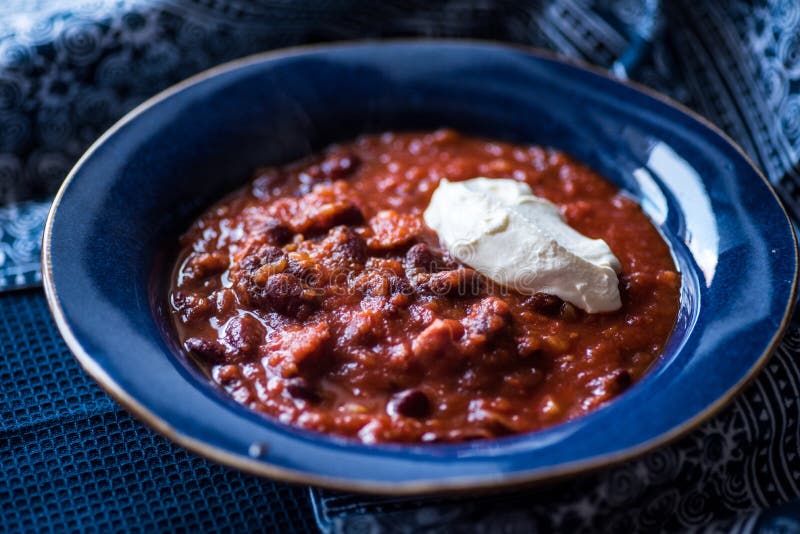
[72,460]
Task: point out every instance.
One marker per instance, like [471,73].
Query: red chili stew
[318,296]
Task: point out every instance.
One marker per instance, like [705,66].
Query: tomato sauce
[317,296]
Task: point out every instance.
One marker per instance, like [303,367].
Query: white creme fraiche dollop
[502,230]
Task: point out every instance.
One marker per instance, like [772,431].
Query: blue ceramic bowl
[112,230]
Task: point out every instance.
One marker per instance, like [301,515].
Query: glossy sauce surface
[317,295]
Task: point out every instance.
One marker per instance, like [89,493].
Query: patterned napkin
[69,69]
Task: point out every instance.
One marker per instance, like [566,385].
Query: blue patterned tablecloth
[71,459]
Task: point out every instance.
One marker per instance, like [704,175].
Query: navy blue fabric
[71,459]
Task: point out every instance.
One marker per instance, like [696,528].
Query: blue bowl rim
[258,467]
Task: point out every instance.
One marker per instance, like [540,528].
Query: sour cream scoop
[505,232]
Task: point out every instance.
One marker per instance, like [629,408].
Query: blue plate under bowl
[113,227]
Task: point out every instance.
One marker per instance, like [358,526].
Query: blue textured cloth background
[72,460]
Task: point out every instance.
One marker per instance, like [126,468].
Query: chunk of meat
[439,338]
[275,232]
[363,327]
[323,208]
[344,248]
[307,269]
[529,345]
[485,320]
[373,284]
[258,227]
[285,294]
[256,255]
[464,282]
[383,279]
[191,307]
[391,230]
[241,337]
[224,300]
[422,258]
[271,279]
[295,351]
[329,215]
